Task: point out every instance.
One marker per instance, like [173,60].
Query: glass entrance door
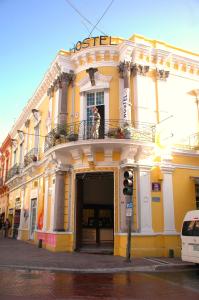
[97,224]
[33,217]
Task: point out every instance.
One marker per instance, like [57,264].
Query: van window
[196,229]
[187,229]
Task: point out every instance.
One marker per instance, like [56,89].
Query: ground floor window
[197,196]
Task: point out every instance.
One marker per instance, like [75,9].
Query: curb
[177,266]
[153,268]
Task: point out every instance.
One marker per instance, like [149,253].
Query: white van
[190,237]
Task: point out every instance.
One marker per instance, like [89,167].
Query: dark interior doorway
[95,210]
[102,121]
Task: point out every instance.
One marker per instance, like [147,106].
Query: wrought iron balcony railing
[31,156]
[85,130]
[189,143]
[12,172]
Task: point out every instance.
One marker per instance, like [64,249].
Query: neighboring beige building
[69,187]
[5,162]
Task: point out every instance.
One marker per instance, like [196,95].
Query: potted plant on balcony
[73,137]
[111,133]
[127,130]
[116,133]
[34,158]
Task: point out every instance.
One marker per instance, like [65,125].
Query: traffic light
[128,182]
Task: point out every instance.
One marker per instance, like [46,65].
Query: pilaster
[144,202]
[21,224]
[168,201]
[45,222]
[62,83]
[59,201]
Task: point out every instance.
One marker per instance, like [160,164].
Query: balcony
[189,143]
[15,170]
[31,156]
[111,129]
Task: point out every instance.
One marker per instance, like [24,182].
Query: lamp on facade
[35,113]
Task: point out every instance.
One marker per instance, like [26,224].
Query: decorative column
[168,205]
[141,93]
[59,200]
[45,222]
[21,214]
[52,207]
[144,190]
[124,70]
[70,212]
[50,94]
[62,83]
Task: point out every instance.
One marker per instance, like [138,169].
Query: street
[34,285]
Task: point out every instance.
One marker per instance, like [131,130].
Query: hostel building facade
[66,187]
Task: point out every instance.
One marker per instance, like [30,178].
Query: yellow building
[69,187]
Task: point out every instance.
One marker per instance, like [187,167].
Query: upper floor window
[21,153]
[15,157]
[36,133]
[94,99]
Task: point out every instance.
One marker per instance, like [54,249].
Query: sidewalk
[22,255]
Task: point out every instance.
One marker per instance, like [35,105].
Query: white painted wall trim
[148,234]
[52,212]
[45,222]
[144,200]
[23,190]
[168,202]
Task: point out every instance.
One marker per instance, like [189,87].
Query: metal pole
[128,248]
[129,220]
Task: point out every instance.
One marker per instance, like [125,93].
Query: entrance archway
[95,211]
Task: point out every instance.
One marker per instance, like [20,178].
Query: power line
[101,17]
[85,18]
[85,26]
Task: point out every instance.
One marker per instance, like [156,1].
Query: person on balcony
[96,123]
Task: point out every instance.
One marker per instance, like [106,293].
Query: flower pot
[34,158]
[73,137]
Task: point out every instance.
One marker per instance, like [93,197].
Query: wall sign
[155,199]
[156,187]
[18,203]
[101,40]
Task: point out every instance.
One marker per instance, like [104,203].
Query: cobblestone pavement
[44,285]
[19,254]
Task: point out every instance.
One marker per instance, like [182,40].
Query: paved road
[35,285]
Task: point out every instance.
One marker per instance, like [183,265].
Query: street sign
[129,212]
[129,205]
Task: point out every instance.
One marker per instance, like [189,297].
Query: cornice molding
[59,65]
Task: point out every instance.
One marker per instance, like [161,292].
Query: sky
[33,31]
